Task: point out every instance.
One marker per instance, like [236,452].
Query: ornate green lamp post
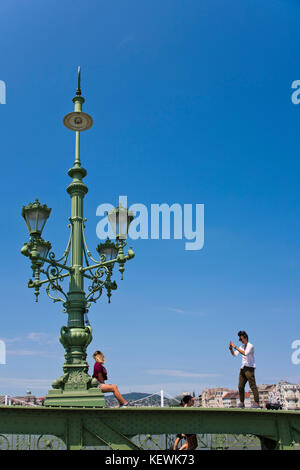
[75,387]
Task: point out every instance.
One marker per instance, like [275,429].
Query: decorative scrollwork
[55,270]
[53,274]
[49,443]
[51,255]
[65,255]
[4,442]
[99,279]
[87,253]
[54,263]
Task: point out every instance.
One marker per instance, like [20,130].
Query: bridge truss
[145,428]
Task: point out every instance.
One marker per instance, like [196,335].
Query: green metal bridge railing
[144,428]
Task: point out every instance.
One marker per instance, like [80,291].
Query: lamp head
[43,248]
[108,248]
[120,219]
[35,216]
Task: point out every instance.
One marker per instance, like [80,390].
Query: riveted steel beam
[113,427]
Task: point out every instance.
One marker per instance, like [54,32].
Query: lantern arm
[52,262]
[30,250]
[51,283]
[86,251]
[66,253]
[88,267]
[32,283]
[61,262]
[121,257]
[100,264]
[100,275]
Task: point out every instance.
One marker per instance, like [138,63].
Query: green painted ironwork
[75,387]
[146,428]
[144,442]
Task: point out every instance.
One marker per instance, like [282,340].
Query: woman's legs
[184,447]
[177,440]
[114,389]
[192,442]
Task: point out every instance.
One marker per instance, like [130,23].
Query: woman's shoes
[124,405]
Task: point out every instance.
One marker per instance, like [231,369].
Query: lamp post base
[92,398]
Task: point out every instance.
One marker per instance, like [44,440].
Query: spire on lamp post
[78,121]
[78,91]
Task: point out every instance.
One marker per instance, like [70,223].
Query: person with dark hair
[191,439]
[248,368]
[100,374]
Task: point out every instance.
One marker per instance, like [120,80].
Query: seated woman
[100,374]
[191,439]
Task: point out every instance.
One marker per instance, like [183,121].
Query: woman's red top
[99,368]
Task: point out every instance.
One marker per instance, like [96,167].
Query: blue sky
[191,104]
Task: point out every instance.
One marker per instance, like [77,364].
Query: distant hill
[133,396]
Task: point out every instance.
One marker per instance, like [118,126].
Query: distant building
[287,394]
[198,400]
[28,399]
[232,399]
[264,391]
[212,397]
[247,400]
[298,395]
[222,397]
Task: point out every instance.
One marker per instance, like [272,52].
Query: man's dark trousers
[247,375]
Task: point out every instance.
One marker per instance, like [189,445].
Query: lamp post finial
[78,91]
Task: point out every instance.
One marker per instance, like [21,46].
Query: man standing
[247,369]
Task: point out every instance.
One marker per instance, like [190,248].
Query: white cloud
[22,384]
[36,337]
[42,338]
[184,312]
[32,352]
[11,340]
[176,310]
[179,373]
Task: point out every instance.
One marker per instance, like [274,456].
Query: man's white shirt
[247,360]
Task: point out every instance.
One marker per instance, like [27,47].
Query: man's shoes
[241,405]
[255,406]
[125,405]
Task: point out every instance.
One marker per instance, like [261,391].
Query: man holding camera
[248,368]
